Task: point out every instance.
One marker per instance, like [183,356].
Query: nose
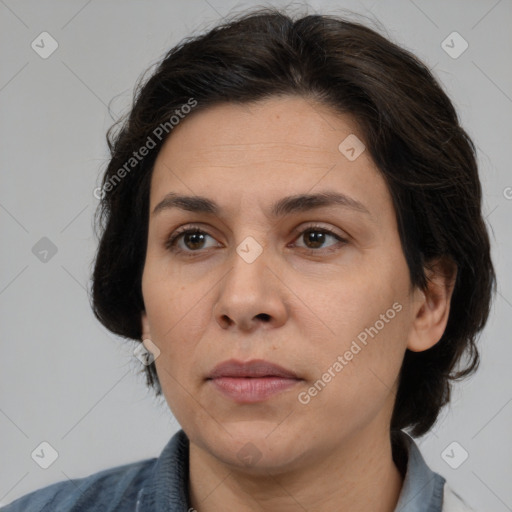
[251,295]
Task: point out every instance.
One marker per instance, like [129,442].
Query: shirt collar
[167,489]
[422,489]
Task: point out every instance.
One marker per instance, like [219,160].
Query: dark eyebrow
[285,206]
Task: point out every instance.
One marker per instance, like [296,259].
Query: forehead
[261,151]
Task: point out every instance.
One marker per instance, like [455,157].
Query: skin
[296,308]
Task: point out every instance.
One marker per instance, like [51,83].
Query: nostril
[264,317]
[226,321]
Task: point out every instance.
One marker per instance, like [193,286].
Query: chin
[256,446]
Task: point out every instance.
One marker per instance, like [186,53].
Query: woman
[291,225]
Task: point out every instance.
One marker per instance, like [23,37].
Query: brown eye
[316,238]
[194,240]
[189,240]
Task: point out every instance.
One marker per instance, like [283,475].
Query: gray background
[63,378]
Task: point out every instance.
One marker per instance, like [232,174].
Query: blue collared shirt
[161,485]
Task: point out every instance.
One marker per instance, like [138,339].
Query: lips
[255,368]
[251,382]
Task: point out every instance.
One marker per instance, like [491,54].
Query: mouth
[251,381]
[250,369]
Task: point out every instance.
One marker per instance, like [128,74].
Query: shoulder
[111,489]
[452,502]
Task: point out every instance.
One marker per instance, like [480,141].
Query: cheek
[177,321]
[353,301]
[168,296]
[366,319]
[176,314]
[357,373]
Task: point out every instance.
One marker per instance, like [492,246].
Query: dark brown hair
[408,124]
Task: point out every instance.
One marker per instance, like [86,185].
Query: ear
[432,306]
[146,331]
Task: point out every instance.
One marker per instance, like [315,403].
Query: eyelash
[171,241]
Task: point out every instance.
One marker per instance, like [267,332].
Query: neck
[358,476]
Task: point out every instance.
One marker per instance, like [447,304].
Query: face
[319,287]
